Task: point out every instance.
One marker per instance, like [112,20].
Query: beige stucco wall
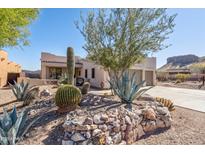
[6,67]
[100,74]
[3,67]
[147,65]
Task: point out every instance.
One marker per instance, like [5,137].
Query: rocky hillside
[32,74]
[181,62]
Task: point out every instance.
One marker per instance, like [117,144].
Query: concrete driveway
[188,98]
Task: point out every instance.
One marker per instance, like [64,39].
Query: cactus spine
[70,65]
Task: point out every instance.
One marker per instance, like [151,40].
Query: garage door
[149,78]
[138,75]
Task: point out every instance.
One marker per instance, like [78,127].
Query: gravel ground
[187,127]
[186,84]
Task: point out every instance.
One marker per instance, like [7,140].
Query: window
[55,73]
[93,73]
[86,73]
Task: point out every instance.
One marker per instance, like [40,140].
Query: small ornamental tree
[118,38]
[14,26]
[199,68]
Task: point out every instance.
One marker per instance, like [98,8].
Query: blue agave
[126,87]
[20,90]
[12,126]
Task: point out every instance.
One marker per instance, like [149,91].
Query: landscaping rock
[162,110]
[117,138]
[83,127]
[68,142]
[97,119]
[140,132]
[127,120]
[45,93]
[87,135]
[150,114]
[88,121]
[96,132]
[77,137]
[103,127]
[104,117]
[116,125]
[109,140]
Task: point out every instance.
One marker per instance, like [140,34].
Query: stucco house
[53,66]
[9,70]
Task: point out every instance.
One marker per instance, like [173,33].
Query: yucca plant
[12,126]
[20,90]
[126,88]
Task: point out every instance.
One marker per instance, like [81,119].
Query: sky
[54,31]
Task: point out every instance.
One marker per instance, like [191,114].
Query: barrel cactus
[85,88]
[70,65]
[67,96]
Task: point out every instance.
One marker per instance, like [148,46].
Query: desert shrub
[67,95]
[178,81]
[85,88]
[182,77]
[13,126]
[166,102]
[162,76]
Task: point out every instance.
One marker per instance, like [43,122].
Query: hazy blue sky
[54,31]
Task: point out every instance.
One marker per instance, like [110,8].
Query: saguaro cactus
[70,65]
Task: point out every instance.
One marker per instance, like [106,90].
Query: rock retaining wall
[114,126]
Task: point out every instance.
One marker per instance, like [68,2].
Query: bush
[182,77]
[162,76]
[85,88]
[178,81]
[67,95]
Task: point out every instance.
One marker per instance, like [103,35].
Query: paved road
[188,98]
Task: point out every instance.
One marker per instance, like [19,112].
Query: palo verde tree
[14,26]
[118,38]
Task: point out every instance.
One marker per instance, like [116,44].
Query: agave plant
[63,79]
[31,95]
[126,87]
[20,90]
[13,127]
